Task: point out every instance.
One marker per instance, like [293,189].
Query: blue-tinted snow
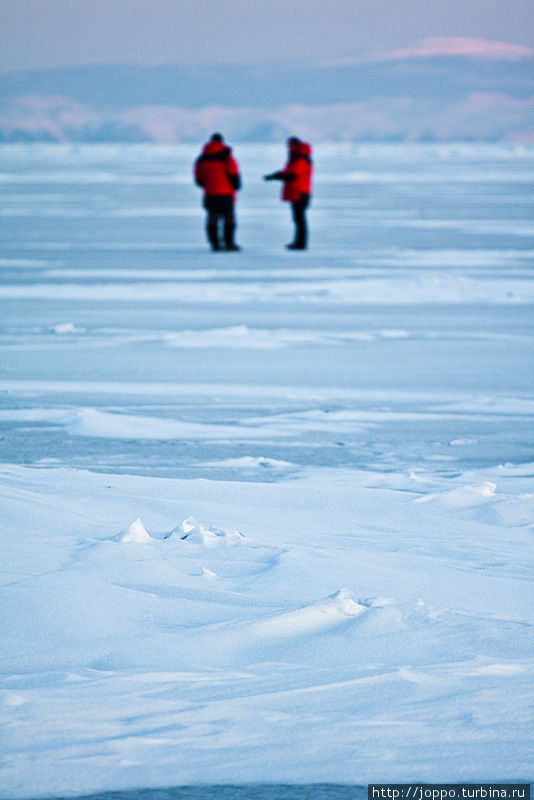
[325,459]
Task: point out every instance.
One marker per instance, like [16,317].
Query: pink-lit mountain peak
[464,46]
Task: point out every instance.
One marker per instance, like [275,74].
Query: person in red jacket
[217,172]
[297,178]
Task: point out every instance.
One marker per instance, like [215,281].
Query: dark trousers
[220,208]
[298,209]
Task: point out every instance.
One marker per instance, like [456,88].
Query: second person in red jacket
[297,178]
[217,172]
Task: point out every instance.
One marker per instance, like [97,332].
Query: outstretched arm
[282,175]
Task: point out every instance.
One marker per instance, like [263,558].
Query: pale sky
[55,33]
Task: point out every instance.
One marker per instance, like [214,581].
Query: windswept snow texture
[266,516]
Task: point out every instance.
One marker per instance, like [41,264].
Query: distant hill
[402,98]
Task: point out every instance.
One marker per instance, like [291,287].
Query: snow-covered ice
[266,516]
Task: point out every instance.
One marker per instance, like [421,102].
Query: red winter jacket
[297,173]
[217,171]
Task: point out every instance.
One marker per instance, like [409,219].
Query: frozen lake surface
[267,516]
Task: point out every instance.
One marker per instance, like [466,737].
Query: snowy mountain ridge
[420,95]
